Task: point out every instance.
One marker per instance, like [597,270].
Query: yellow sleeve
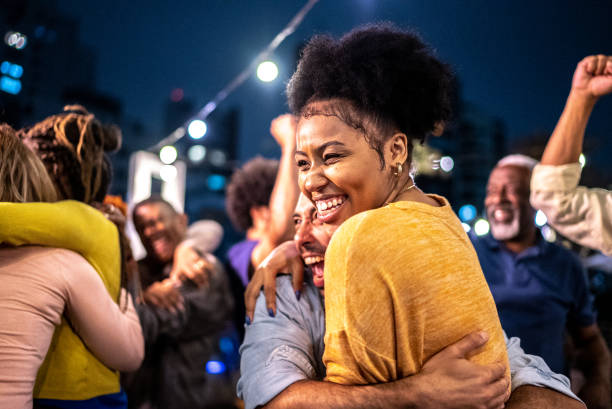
[349,358]
[399,287]
[67,224]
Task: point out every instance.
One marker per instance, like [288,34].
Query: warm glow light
[267,71]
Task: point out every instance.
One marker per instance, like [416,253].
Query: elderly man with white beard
[540,288]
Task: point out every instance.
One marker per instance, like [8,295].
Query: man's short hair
[519,160]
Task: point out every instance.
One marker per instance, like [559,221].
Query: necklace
[405,189]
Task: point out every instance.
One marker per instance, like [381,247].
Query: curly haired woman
[402,279]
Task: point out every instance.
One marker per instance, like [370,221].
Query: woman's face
[337,169]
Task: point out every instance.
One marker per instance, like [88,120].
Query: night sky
[514,59]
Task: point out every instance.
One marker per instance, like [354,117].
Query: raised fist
[593,76]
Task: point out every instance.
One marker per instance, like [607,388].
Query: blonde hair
[23,177]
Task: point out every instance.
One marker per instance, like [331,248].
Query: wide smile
[328,209]
[317,266]
[502,214]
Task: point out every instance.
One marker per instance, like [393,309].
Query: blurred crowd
[351,287]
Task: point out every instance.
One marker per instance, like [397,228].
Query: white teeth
[313,259]
[337,201]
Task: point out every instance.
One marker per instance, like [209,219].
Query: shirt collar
[540,247]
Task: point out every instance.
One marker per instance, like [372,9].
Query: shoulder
[563,256]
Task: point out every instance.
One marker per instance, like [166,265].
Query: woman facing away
[55,299]
[402,280]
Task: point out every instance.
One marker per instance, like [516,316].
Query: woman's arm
[113,335]
[67,224]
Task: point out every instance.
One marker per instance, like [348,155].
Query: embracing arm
[113,335]
[285,192]
[529,397]
[67,224]
[447,380]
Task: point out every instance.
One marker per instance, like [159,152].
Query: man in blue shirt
[281,364]
[540,288]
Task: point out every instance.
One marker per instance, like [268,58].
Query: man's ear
[396,149]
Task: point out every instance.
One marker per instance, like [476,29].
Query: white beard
[505,231]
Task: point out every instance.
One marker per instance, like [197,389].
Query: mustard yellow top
[70,371]
[401,283]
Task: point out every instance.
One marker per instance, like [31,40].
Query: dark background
[122,59]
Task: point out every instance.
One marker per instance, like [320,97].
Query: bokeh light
[267,71]
[167,173]
[447,163]
[467,213]
[481,227]
[196,153]
[197,129]
[168,154]
[540,218]
[215,367]
[218,158]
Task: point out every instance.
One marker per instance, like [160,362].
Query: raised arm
[285,192]
[592,80]
[579,213]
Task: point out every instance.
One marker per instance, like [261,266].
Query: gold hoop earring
[399,170]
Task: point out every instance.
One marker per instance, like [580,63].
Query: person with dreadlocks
[72,147]
[45,288]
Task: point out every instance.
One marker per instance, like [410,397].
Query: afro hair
[250,186]
[388,76]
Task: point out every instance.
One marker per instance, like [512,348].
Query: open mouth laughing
[329,208]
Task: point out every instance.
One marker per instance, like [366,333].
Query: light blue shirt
[279,351]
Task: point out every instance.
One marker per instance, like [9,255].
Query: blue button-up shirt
[539,293]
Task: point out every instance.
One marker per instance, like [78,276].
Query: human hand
[449,380]
[188,264]
[112,213]
[164,294]
[593,76]
[284,258]
[283,129]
